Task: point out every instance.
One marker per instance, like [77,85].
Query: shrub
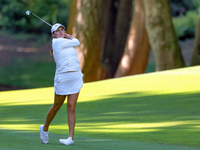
[185,25]
[13,14]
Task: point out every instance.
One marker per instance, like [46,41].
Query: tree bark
[119,25]
[72,16]
[137,47]
[90,28]
[196,50]
[163,40]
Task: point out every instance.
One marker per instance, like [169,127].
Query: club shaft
[41,19]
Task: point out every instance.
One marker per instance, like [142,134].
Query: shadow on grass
[170,119]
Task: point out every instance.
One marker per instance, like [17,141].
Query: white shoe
[44,135]
[67,141]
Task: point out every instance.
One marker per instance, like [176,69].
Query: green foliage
[13,14]
[180,7]
[185,25]
[196,3]
[185,13]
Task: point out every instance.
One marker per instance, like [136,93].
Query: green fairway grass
[155,111]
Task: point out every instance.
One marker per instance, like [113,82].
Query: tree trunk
[196,50]
[136,52]
[109,39]
[72,16]
[90,28]
[163,40]
[120,18]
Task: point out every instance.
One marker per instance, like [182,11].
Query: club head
[28,12]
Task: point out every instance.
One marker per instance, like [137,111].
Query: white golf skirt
[68,83]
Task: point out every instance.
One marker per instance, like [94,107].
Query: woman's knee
[71,107]
[56,107]
[71,102]
[59,100]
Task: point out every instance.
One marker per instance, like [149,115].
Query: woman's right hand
[68,36]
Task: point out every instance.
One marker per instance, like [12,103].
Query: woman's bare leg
[58,101]
[71,105]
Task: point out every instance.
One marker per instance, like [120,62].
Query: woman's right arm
[65,43]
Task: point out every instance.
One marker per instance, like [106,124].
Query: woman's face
[59,33]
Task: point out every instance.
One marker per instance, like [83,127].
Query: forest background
[118,38]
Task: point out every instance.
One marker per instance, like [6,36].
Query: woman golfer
[67,82]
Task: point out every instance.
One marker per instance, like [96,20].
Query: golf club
[28,12]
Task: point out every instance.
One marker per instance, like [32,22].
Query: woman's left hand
[51,52]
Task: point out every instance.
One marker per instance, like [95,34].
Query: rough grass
[151,111]
[26,74]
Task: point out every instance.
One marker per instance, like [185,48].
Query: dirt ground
[11,49]
[15,49]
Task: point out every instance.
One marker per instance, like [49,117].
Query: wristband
[71,38]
